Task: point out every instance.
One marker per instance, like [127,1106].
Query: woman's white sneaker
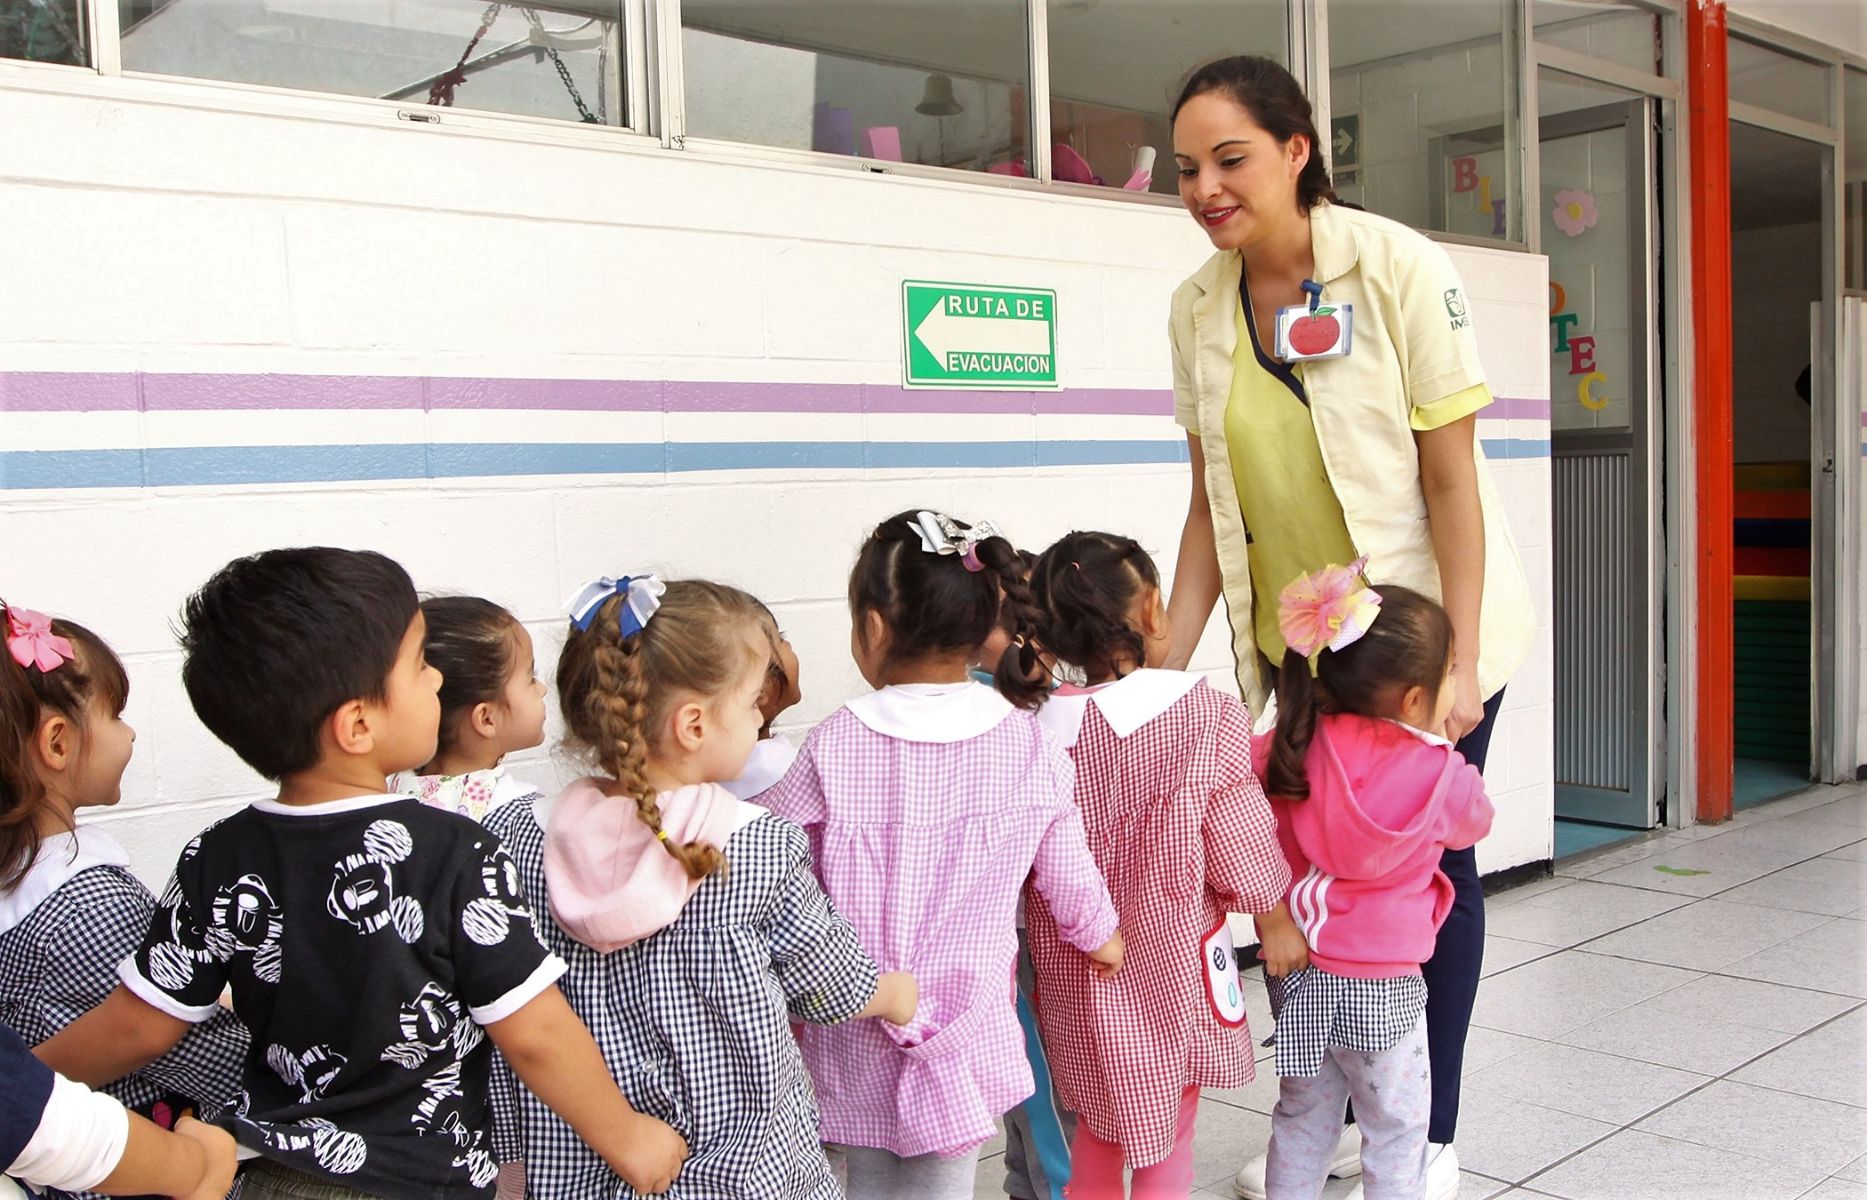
[1250,1182]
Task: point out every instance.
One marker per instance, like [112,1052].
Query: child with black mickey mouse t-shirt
[373,944]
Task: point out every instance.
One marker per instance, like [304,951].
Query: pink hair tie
[31,642]
[1327,610]
[969,558]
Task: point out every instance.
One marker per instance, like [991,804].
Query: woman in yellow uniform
[1300,464]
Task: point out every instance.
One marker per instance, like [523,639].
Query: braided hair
[933,604]
[615,690]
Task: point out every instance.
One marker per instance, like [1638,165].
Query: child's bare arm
[896,997]
[196,1162]
[553,1054]
[123,1034]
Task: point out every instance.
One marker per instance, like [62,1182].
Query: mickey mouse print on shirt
[367,942]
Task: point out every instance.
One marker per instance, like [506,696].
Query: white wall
[1838,23]
[371,302]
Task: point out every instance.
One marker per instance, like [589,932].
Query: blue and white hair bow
[941,534]
[641,597]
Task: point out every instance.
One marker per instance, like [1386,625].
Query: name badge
[1221,971]
[1323,331]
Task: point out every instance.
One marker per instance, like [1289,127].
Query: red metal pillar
[1709,124]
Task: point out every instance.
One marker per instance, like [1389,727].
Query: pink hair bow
[1328,610]
[31,642]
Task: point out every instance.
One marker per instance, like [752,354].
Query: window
[1622,34]
[51,31]
[1423,113]
[1783,84]
[1854,173]
[559,60]
[1115,70]
[943,83]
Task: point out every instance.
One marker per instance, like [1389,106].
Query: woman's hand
[1468,706]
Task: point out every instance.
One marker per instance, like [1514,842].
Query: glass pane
[1777,249]
[1621,34]
[1424,113]
[1854,171]
[941,83]
[1773,80]
[1587,212]
[1115,68]
[562,60]
[43,31]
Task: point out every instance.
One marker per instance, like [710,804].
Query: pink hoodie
[1385,801]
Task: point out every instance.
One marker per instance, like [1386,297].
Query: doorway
[1777,284]
[1601,231]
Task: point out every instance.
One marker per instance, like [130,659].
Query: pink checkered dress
[1183,834]
[924,847]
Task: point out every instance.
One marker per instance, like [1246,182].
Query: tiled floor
[1677,1018]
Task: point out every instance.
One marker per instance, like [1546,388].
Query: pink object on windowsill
[1015,168]
[883,142]
[1070,167]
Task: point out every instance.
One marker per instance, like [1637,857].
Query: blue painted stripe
[209,466]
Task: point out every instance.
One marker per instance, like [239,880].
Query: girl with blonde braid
[693,922]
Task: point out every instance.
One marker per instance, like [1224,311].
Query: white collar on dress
[329,807]
[931,712]
[766,765]
[60,857]
[1126,704]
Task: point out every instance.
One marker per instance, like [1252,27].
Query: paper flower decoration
[1575,211]
[1327,610]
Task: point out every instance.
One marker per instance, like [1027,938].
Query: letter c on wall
[1588,400]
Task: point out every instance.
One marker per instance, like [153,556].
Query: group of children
[719,966]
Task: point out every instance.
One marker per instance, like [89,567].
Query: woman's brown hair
[1276,102]
[27,694]
[1409,645]
[613,690]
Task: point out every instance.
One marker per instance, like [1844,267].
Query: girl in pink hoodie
[1367,797]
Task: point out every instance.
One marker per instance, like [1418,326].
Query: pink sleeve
[1245,866]
[798,798]
[1065,873]
[1469,813]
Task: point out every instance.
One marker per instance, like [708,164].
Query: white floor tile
[1816,1135]
[1503,953]
[1565,991]
[1828,958]
[1833,886]
[1584,1083]
[1575,914]
[1706,936]
[1829,1063]
[1508,1139]
[1640,1166]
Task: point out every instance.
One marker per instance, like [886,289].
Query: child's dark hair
[1408,645]
[777,681]
[1084,586]
[933,604]
[1275,100]
[26,694]
[613,690]
[276,642]
[474,643]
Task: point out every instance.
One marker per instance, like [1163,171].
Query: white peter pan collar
[329,807]
[1126,704]
[60,857]
[931,712]
[1431,739]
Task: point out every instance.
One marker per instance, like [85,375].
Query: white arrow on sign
[941,332]
[1342,142]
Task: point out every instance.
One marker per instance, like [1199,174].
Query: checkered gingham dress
[924,846]
[61,961]
[694,1024]
[1183,834]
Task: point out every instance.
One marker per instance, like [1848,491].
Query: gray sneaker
[1250,1182]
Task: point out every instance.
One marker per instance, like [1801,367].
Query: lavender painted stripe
[209,393]
[614,395]
[1517,408]
[60,391]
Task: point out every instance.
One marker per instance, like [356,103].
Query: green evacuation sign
[961,335]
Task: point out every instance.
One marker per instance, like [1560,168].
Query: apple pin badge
[1316,329]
